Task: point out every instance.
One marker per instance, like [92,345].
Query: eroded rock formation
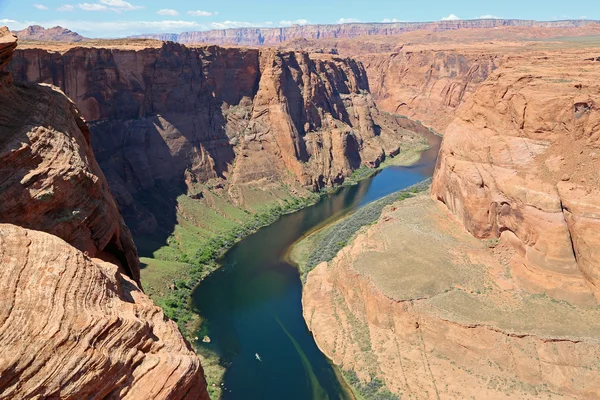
[490,287]
[228,118]
[520,162]
[75,327]
[74,321]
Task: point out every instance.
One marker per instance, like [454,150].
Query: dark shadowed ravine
[252,305]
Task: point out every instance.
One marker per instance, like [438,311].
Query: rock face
[489,288]
[75,327]
[50,179]
[432,313]
[56,34]
[75,323]
[229,118]
[521,164]
[414,83]
[272,36]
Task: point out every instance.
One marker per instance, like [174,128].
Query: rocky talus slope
[273,36]
[74,322]
[488,288]
[210,120]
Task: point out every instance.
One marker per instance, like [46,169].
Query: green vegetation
[373,390]
[171,276]
[331,239]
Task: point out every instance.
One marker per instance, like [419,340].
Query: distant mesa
[275,36]
[56,34]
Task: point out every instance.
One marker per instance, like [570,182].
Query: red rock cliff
[73,321]
[520,163]
[227,117]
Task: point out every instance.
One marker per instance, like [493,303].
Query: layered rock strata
[273,36]
[418,304]
[227,118]
[55,34]
[520,163]
[74,322]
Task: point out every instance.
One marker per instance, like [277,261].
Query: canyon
[486,287]
[220,126]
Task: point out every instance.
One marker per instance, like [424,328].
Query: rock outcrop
[75,327]
[520,163]
[229,118]
[74,321]
[419,305]
[56,34]
[273,36]
[414,83]
[488,288]
[49,177]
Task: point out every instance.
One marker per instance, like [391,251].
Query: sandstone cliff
[418,304]
[427,85]
[520,163]
[235,122]
[272,36]
[75,323]
[509,306]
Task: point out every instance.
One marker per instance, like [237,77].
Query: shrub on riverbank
[341,233]
[373,390]
[177,300]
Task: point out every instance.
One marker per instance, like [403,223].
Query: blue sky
[117,18]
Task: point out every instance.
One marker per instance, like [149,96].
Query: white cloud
[450,17]
[92,7]
[105,5]
[387,20]
[66,7]
[295,22]
[488,16]
[15,25]
[40,6]
[347,20]
[200,13]
[120,5]
[167,11]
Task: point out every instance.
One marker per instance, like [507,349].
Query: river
[252,305]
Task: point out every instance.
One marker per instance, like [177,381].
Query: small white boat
[258,357]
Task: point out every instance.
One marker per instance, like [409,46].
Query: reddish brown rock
[50,179]
[75,327]
[173,115]
[503,160]
[72,326]
[433,313]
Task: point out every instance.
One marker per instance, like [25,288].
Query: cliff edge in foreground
[74,322]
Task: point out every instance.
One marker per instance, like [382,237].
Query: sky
[118,18]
